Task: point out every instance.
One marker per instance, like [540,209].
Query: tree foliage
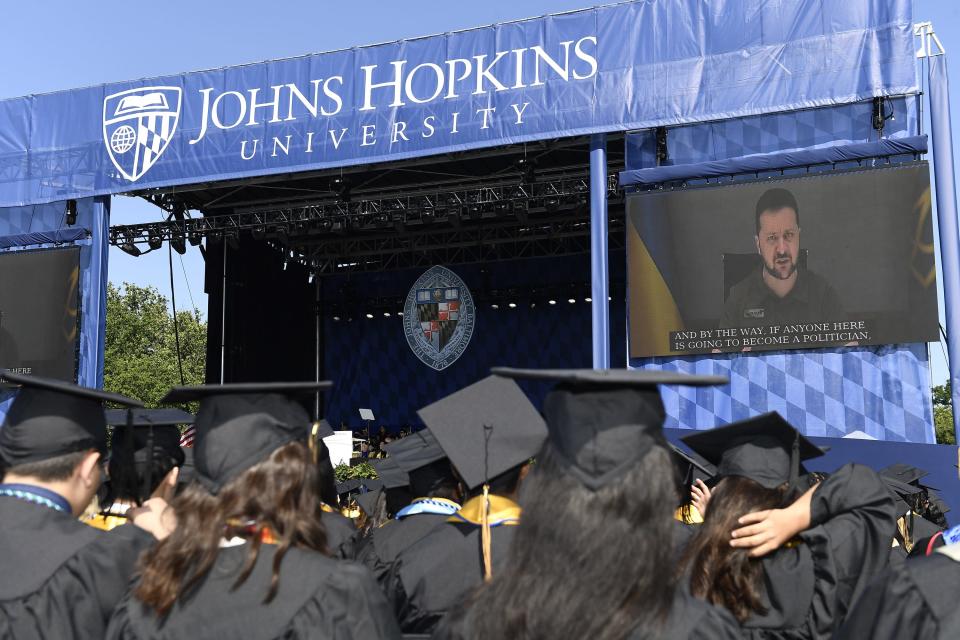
[943,414]
[141,349]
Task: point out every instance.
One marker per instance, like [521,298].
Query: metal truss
[493,221]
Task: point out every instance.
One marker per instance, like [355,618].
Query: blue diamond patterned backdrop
[883,391]
[373,367]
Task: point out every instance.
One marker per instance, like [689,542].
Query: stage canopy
[614,68]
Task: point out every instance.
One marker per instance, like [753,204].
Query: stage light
[336,318]
[386,314]
[400,313]
[551,203]
[551,302]
[512,305]
[427,213]
[326,224]
[71,217]
[258,233]
[195,238]
[494,306]
[571,300]
[310,278]
[178,243]
[130,248]
[155,240]
[369,316]
[527,168]
[588,299]
[533,305]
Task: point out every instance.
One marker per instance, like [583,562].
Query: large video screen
[39,312]
[825,260]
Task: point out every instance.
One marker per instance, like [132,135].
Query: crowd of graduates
[500,519]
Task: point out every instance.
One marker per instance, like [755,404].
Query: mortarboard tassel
[485,535]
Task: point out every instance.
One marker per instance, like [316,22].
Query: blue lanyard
[36,495]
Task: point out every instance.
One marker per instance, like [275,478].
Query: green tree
[140,358]
[943,414]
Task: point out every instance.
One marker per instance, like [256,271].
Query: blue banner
[619,67]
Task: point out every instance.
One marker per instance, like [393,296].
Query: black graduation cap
[238,425]
[345,487]
[144,417]
[418,449]
[765,449]
[323,429]
[390,473]
[692,466]
[905,473]
[486,429]
[602,421]
[372,484]
[50,418]
[141,436]
[368,501]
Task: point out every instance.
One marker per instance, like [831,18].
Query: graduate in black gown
[914,600]
[438,497]
[489,431]
[340,529]
[787,560]
[60,578]
[594,556]
[145,461]
[249,558]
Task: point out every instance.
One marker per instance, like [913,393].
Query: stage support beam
[942,142]
[599,258]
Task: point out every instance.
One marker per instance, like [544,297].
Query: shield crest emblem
[138,125]
[439,317]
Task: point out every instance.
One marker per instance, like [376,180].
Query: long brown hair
[589,564]
[723,575]
[279,495]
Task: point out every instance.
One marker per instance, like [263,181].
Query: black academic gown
[809,587]
[433,575]
[341,534]
[380,550]
[60,578]
[916,599]
[319,598]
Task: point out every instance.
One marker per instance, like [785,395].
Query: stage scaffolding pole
[942,139]
[600,277]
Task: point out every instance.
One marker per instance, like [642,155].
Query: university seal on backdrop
[137,127]
[438,317]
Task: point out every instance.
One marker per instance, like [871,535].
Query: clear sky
[57,44]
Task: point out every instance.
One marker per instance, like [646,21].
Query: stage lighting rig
[129,247]
[178,243]
[71,213]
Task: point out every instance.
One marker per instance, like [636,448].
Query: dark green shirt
[752,304]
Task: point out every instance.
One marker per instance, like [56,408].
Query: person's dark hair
[590,564]
[774,199]
[720,574]
[51,469]
[279,494]
[435,480]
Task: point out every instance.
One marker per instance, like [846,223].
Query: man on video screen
[779,293]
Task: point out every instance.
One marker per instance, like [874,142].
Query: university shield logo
[138,125]
[438,317]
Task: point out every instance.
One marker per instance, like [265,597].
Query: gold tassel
[485,535]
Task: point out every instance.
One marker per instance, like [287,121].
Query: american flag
[186,438]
